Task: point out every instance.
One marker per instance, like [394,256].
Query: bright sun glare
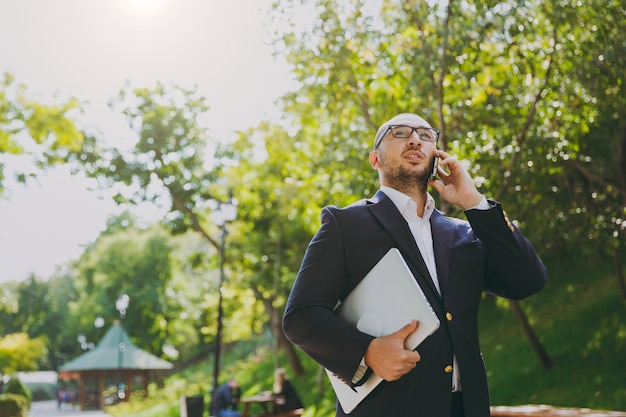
[143,8]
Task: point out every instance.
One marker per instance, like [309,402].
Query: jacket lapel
[388,215]
[443,241]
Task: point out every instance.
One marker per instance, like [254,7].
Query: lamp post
[121,305]
[225,212]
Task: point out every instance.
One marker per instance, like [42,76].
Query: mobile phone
[433,172]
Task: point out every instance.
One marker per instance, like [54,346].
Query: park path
[50,409]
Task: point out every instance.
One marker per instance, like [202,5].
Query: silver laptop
[385,300]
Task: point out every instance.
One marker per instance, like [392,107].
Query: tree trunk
[620,273]
[292,356]
[280,339]
[546,361]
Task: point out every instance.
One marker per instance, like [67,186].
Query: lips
[414,156]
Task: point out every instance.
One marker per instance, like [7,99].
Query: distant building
[112,371]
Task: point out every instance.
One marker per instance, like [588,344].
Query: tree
[279,205]
[169,156]
[592,156]
[134,262]
[456,64]
[47,133]
[170,165]
[18,352]
[531,92]
[39,309]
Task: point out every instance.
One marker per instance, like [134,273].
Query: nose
[413,140]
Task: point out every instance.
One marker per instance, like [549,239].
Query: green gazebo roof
[108,356]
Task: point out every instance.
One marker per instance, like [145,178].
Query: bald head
[407,119]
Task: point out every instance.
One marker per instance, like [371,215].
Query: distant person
[289,399]
[60,396]
[225,400]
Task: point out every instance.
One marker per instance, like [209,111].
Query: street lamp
[121,305]
[225,212]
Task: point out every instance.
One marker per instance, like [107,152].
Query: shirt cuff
[483,205]
[360,372]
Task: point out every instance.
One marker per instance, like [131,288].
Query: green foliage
[577,317]
[137,263]
[168,165]
[42,391]
[38,308]
[532,93]
[18,352]
[46,132]
[278,212]
[12,405]
[161,410]
[16,386]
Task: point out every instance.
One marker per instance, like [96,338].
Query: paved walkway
[50,409]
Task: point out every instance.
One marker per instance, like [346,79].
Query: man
[225,400]
[453,261]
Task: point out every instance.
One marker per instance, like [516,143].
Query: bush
[42,391]
[17,387]
[13,405]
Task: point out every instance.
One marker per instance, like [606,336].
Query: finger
[406,330]
[450,161]
[412,356]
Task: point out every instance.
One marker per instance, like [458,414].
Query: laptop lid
[385,300]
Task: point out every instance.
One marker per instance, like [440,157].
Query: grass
[579,319]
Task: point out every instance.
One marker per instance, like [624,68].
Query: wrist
[473,201]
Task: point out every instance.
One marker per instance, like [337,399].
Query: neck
[417,194]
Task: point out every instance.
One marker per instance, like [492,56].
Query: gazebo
[112,371]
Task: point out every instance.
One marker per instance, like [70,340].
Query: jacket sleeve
[309,321]
[514,270]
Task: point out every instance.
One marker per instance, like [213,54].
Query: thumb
[406,330]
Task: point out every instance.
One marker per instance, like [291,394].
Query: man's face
[404,162]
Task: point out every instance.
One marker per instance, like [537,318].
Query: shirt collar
[406,205]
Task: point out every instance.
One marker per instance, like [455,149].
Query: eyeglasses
[425,134]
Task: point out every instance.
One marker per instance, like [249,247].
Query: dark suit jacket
[485,254]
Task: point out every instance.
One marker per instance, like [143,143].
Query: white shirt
[420,226]
[422,233]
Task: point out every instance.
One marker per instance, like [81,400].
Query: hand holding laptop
[390,305]
[388,357]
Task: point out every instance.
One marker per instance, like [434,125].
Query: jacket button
[449,316]
[508,222]
[448,369]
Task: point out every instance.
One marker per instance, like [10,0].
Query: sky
[88,49]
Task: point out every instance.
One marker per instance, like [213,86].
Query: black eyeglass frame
[413,129]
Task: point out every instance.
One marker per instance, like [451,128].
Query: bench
[549,411]
[291,413]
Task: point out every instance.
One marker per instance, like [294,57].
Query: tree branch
[531,114]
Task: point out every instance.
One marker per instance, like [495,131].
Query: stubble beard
[402,178]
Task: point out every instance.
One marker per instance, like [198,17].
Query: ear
[374,160]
